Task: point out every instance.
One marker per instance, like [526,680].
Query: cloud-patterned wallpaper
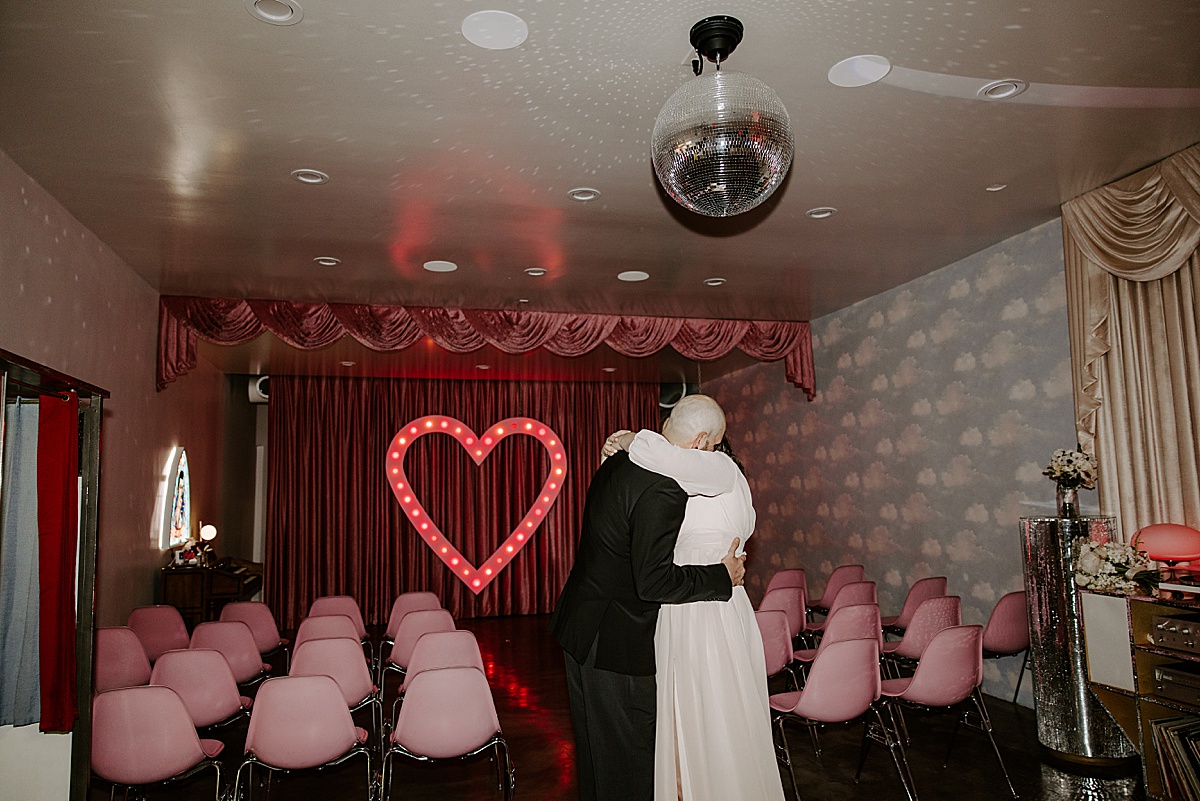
[939,403]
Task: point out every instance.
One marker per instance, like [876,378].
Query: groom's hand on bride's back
[736,565]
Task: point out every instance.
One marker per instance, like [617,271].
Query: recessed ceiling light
[438,266]
[536,271]
[821,212]
[609,369]
[348,364]
[713,281]
[996,187]
[275,12]
[328,261]
[1002,89]
[633,275]
[859,71]
[483,367]
[306,176]
[584,194]
[495,30]
[522,300]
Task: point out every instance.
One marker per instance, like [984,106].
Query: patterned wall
[939,403]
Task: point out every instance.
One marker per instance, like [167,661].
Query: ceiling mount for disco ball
[722,143]
[714,39]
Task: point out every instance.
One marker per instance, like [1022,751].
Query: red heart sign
[476,578]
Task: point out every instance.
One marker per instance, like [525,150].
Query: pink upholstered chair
[792,577]
[341,659]
[344,605]
[777,643]
[933,615]
[160,628]
[448,713]
[235,642]
[301,722]
[789,600]
[258,617]
[405,602]
[203,681]
[947,679]
[853,594]
[855,622]
[144,735]
[841,576]
[120,659]
[921,590]
[842,687]
[325,627]
[412,627]
[1007,632]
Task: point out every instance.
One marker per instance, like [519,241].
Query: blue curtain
[20,701]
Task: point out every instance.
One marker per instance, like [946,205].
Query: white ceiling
[171,129]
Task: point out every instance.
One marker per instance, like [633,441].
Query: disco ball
[722,144]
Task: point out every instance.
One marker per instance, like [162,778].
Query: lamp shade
[722,144]
[1168,542]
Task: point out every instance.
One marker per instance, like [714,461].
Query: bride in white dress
[712,680]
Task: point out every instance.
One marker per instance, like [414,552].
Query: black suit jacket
[624,569]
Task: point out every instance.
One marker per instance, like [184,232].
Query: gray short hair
[696,413]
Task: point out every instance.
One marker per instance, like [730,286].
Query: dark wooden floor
[526,673]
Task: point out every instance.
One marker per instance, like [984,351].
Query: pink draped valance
[385,328]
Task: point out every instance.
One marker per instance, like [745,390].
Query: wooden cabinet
[1165,729]
[200,592]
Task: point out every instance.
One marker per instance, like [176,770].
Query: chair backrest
[160,628]
[341,659]
[408,602]
[950,668]
[235,642]
[1007,629]
[258,617]
[840,577]
[853,594]
[789,600]
[442,649]
[843,682]
[142,735]
[921,590]
[203,681]
[933,615]
[447,712]
[854,622]
[792,577]
[776,639]
[324,627]
[340,605]
[299,722]
[412,627]
[121,660]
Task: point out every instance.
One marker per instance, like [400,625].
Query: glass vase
[1068,501]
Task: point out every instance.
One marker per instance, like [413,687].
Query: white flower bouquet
[1112,566]
[1072,469]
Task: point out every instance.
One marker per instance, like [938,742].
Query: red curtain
[335,528]
[316,325]
[57,477]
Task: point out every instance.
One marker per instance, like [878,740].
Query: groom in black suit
[606,616]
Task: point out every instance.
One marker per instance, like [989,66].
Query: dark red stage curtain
[335,528]
[57,477]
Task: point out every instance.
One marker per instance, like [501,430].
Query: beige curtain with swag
[1133,295]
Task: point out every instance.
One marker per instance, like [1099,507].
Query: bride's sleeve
[698,472]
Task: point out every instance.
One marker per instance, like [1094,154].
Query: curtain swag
[1130,251]
[309,326]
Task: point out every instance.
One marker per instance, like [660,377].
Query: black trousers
[613,716]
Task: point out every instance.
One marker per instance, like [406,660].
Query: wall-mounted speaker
[259,388]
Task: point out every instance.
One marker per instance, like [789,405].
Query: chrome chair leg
[986,725]
[784,755]
[1021,675]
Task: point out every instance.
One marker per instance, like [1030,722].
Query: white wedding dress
[711,672]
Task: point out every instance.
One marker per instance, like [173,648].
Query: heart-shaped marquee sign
[478,446]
